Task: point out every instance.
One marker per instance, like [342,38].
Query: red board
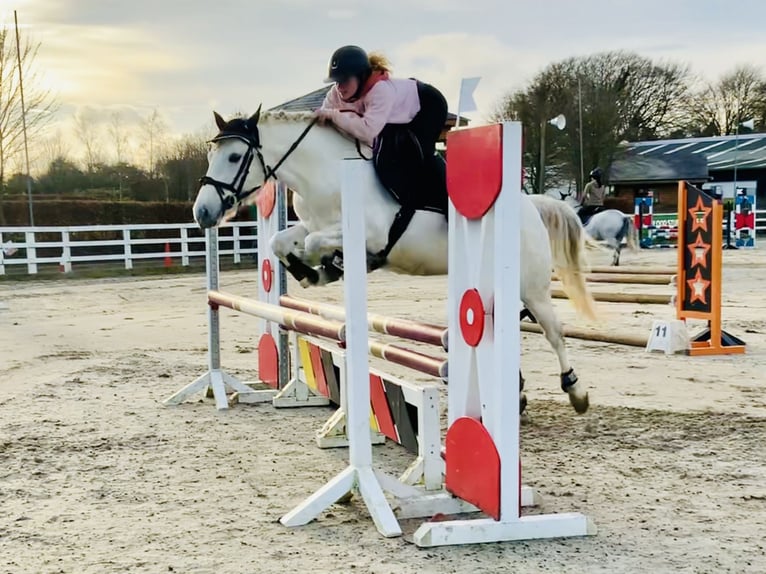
[742,221]
[473,465]
[319,374]
[268,361]
[475,169]
[266,198]
[381,409]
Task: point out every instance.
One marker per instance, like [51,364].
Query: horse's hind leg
[616,245]
[542,308]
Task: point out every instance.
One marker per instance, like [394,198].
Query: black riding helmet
[596,174]
[349,62]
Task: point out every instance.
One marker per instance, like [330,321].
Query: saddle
[414,181]
[587,212]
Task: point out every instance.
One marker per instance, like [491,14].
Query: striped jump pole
[404,328]
[305,323]
[410,359]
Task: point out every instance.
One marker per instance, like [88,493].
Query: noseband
[252,140]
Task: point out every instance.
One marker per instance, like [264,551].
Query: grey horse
[611,226]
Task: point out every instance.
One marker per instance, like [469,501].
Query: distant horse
[610,226]
[305,158]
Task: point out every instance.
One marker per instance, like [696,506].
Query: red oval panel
[267,275]
[266,198]
[475,169]
[472,317]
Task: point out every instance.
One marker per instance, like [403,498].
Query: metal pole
[541,176]
[579,102]
[736,145]
[24,121]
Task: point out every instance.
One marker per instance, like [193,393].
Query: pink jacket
[389,101]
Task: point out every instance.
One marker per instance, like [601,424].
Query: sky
[188,58]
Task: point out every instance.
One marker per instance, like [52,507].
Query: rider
[592,197]
[400,118]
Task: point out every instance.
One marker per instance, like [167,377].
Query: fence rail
[67,247]
[73,246]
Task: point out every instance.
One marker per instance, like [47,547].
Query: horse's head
[230,160]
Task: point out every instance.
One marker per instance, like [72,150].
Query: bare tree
[51,149]
[86,131]
[118,134]
[39,102]
[154,131]
[623,96]
[718,109]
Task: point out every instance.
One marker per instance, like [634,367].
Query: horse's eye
[235,157]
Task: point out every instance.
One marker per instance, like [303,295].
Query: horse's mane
[284,116]
[238,124]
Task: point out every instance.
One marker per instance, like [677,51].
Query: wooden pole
[626,278]
[638,298]
[636,270]
[575,333]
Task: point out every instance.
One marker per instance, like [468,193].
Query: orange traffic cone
[168,259]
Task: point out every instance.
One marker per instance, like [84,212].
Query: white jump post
[482,446]
[360,472]
[215,377]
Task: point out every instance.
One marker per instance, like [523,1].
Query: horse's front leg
[289,246]
[326,246]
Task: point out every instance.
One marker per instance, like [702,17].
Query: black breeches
[404,154]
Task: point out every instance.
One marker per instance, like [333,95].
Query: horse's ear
[219,121]
[255,117]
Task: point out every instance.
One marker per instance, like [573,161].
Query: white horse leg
[324,242]
[616,245]
[289,245]
[542,309]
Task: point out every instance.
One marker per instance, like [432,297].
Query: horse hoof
[580,404]
[522,403]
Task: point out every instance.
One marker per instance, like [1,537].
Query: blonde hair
[379,63]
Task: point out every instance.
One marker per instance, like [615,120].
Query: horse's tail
[632,235]
[568,238]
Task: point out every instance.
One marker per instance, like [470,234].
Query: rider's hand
[324,115]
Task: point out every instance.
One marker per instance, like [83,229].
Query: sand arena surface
[96,476]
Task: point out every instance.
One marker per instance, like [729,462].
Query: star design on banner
[699,250]
[697,221]
[698,286]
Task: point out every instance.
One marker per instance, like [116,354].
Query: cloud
[444,59]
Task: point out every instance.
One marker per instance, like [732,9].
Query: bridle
[252,139]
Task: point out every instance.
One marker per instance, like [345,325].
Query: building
[657,166]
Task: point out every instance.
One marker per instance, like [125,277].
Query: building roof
[747,151]
[633,168]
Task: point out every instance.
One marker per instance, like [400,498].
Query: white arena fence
[30,249]
[34,249]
